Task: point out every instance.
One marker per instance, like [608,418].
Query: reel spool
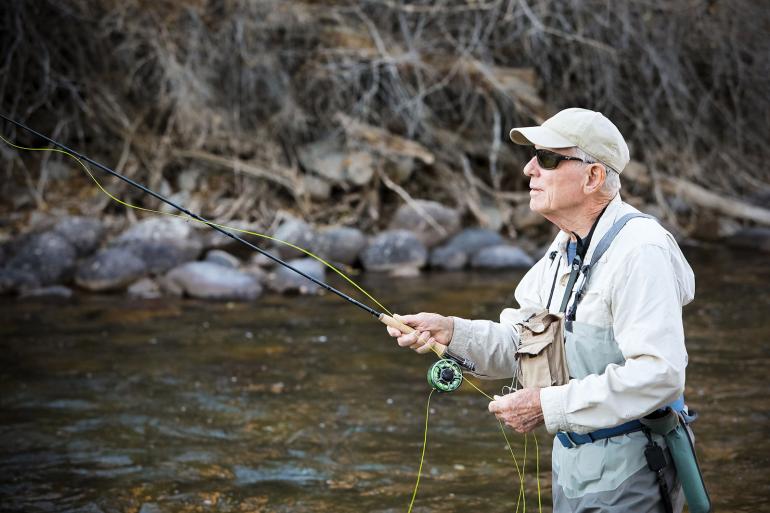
[445,375]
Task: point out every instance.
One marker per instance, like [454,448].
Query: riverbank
[175,257]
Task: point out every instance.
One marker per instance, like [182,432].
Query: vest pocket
[541,357]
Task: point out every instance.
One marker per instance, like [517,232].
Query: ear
[594,178]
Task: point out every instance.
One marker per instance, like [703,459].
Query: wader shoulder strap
[601,248]
[573,274]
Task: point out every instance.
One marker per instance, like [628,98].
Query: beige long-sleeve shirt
[635,294]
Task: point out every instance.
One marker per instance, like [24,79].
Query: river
[295,404]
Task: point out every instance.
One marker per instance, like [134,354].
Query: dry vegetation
[217,100]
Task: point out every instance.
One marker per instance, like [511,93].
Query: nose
[531,168]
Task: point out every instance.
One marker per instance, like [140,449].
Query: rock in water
[48,256]
[15,280]
[84,233]
[471,240]
[450,258]
[145,288]
[394,249]
[286,280]
[206,280]
[162,243]
[297,232]
[503,256]
[340,244]
[110,269]
[223,258]
[407,217]
[456,253]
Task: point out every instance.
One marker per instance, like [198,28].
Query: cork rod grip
[403,328]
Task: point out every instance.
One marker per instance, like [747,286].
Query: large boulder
[145,288]
[84,233]
[297,232]
[110,269]
[48,256]
[223,258]
[448,257]
[419,218]
[161,242]
[286,280]
[471,240]
[503,256]
[158,256]
[460,248]
[340,244]
[206,280]
[394,250]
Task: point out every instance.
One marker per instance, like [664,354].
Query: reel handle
[403,328]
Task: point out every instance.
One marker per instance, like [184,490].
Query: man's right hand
[429,329]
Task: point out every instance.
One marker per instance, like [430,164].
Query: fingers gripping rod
[440,349]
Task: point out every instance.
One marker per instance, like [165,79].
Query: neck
[580,220]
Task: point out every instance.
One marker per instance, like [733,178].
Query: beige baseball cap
[588,130]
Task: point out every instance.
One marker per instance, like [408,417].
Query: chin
[535,206]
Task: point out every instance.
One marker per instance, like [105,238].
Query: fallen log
[275,175]
[697,195]
[383,141]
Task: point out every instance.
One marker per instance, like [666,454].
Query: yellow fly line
[519,471]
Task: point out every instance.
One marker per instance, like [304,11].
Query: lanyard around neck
[577,262]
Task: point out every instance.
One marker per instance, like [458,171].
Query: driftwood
[383,141]
[390,184]
[276,175]
[696,195]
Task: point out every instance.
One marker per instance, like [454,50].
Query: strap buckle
[566,440]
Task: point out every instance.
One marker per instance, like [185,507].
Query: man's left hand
[520,410]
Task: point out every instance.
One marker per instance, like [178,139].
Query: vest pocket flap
[539,323]
[533,347]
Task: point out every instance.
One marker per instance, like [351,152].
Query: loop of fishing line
[447,385]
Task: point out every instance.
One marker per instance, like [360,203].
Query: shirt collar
[609,217]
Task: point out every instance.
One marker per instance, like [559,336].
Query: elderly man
[622,328]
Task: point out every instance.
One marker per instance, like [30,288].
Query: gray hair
[611,185]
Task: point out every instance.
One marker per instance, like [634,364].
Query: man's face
[555,191]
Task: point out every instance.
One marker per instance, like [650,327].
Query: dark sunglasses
[550,160]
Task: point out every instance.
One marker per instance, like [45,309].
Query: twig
[393,186]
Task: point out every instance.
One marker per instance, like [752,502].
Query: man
[624,338]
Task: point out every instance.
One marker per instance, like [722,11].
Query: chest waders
[669,422]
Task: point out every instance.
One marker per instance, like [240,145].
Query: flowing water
[304,404]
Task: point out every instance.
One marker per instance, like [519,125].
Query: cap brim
[540,136]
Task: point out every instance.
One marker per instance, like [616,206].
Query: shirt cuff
[554,412]
[462,334]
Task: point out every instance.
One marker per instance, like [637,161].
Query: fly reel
[445,375]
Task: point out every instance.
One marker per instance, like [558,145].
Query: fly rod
[381,316]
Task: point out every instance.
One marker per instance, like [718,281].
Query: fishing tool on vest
[672,426]
[445,375]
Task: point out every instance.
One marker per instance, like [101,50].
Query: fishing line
[422,455]
[187,216]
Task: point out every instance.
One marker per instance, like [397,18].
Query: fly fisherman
[597,340]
